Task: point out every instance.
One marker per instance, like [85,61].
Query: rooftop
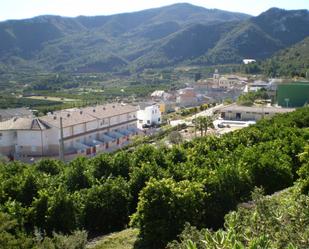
[270,109]
[23,124]
[14,112]
[81,115]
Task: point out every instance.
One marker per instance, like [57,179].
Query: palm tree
[203,123]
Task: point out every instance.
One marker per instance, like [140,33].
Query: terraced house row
[69,132]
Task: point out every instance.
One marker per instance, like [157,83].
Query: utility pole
[61,143]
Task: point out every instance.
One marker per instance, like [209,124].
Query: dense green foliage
[160,188]
[278,221]
[249,98]
[288,62]
[101,43]
[176,34]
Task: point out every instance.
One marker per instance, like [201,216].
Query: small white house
[248,61]
[149,116]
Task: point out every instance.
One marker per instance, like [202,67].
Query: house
[248,113]
[258,85]
[231,81]
[161,95]
[24,135]
[79,131]
[157,94]
[187,97]
[149,116]
[248,61]
[6,114]
[167,106]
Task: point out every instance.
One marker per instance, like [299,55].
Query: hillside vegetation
[179,34]
[157,190]
[289,62]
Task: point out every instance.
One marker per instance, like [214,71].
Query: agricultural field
[49,98]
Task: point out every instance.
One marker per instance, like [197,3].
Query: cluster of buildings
[87,131]
[210,90]
[69,133]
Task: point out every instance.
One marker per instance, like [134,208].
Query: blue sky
[18,9]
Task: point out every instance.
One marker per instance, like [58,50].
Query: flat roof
[270,109]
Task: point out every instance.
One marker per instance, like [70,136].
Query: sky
[20,9]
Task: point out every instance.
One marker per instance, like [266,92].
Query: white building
[248,61]
[86,131]
[149,116]
[258,85]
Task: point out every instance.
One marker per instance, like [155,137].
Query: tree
[76,175]
[107,206]
[49,166]
[202,123]
[61,212]
[175,137]
[164,207]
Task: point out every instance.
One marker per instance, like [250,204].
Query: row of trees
[155,189]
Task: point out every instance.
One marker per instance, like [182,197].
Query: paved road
[188,120]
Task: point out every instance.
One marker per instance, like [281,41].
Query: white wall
[150,115]
[29,138]
[93,125]
[8,138]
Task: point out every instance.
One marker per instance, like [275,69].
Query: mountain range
[173,35]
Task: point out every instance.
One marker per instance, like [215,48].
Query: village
[87,131]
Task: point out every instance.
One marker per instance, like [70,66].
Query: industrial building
[250,113]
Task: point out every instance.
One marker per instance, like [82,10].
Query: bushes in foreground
[160,188]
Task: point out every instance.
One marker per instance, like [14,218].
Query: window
[33,149]
[159,119]
[1,135]
[148,121]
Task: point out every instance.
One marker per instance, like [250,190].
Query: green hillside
[289,62]
[293,61]
[180,34]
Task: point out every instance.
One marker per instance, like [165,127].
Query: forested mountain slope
[172,35]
